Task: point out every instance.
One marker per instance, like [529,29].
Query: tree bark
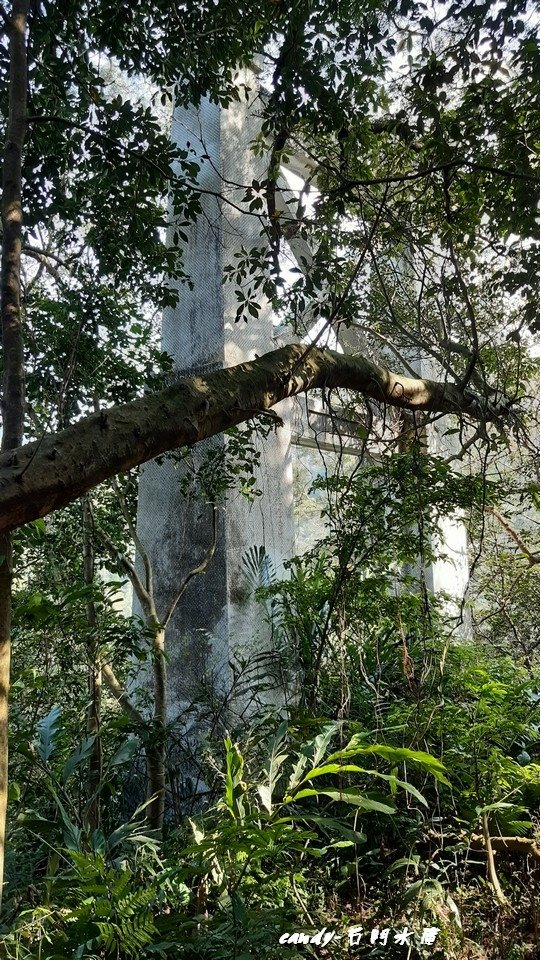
[155,742]
[525,846]
[51,472]
[12,347]
[155,750]
[93,711]
[492,870]
[6,571]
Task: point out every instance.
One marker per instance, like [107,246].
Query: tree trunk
[12,346]
[93,711]
[155,735]
[155,751]
[5,661]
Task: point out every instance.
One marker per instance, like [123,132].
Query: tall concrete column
[218,621]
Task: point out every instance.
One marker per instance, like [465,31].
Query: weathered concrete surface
[218,622]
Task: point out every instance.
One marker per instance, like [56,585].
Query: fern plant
[99,909]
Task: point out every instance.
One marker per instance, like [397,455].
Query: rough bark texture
[53,471]
[12,343]
[12,347]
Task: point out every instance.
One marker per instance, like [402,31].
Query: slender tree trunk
[5,660]
[12,346]
[155,743]
[492,870]
[93,712]
[155,751]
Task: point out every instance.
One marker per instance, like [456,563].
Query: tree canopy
[420,134]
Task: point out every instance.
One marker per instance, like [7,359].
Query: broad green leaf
[501,805]
[321,742]
[198,834]
[404,862]
[78,756]
[14,791]
[272,770]
[71,831]
[125,752]
[333,768]
[233,779]
[47,731]
[332,825]
[296,775]
[344,796]
[394,755]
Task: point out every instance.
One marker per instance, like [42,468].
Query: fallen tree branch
[49,473]
[523,845]
[526,846]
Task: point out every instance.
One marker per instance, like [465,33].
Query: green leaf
[353,797]
[394,755]
[125,752]
[333,768]
[198,834]
[335,826]
[47,732]
[500,805]
[404,862]
[321,742]
[71,831]
[78,756]
[296,775]
[233,779]
[14,791]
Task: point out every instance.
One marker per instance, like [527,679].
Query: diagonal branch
[139,546]
[532,556]
[121,696]
[49,473]
[144,598]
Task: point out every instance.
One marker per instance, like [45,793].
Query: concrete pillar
[218,622]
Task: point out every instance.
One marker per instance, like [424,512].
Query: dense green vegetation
[398,787]
[368,805]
